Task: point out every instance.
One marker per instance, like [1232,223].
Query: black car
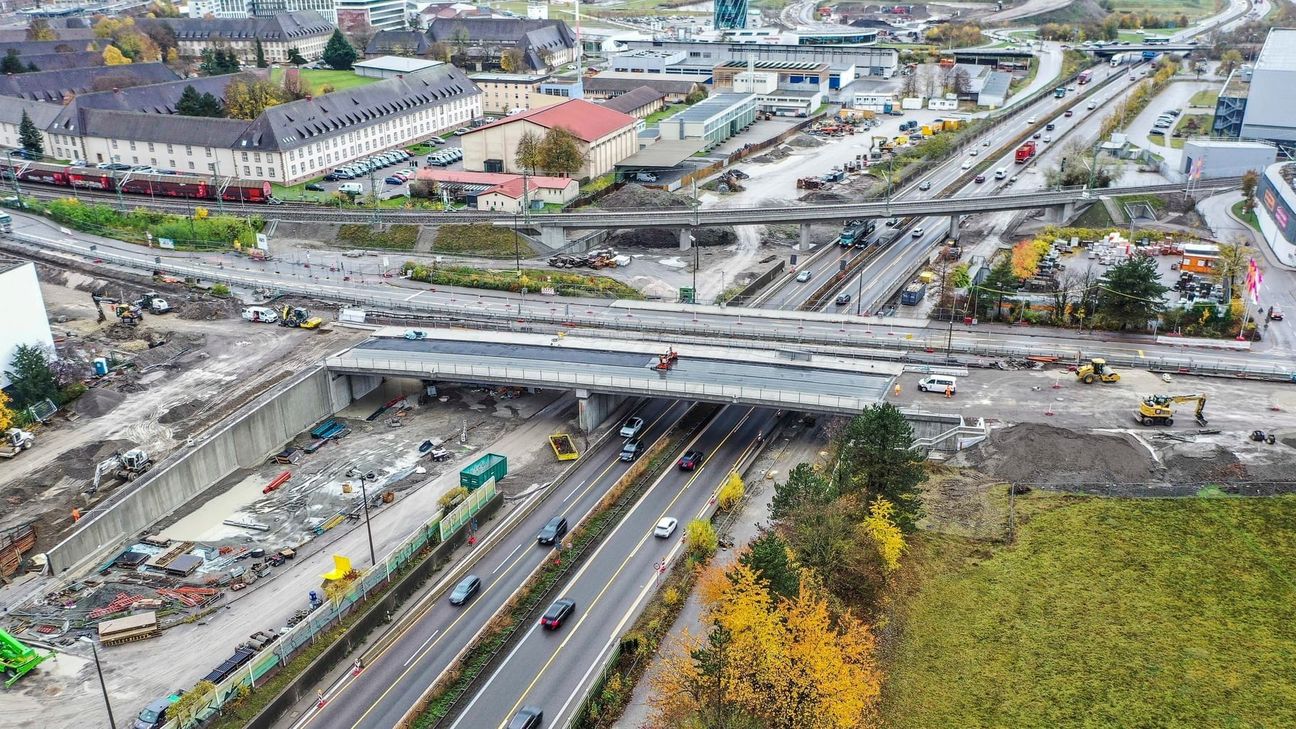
[843,299]
[314,187]
[528,717]
[552,531]
[1036,135]
[1050,127]
[557,613]
[466,588]
[690,461]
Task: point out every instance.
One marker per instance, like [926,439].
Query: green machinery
[16,659]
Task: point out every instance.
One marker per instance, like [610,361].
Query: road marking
[416,293]
[510,556]
[421,647]
[611,579]
[573,492]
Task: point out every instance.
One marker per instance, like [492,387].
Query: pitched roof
[31,48]
[618,81]
[397,41]
[278,27]
[41,113]
[166,129]
[56,85]
[56,61]
[588,121]
[634,99]
[492,179]
[153,99]
[496,30]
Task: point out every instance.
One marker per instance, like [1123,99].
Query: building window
[258,171]
[170,151]
[211,167]
[188,149]
[208,151]
[132,146]
[247,171]
[191,166]
[272,172]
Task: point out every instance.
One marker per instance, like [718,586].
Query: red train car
[136,183]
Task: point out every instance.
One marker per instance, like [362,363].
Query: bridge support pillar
[803,243]
[595,407]
[553,237]
[362,385]
[1059,213]
[685,239]
[955,219]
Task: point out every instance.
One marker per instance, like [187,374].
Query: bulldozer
[1156,410]
[295,316]
[1096,369]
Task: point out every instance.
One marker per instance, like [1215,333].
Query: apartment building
[305,30]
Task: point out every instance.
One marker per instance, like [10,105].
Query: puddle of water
[205,524]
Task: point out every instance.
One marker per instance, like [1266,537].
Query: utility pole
[373,190]
[13,175]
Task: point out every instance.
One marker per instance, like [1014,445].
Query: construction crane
[1156,410]
[125,466]
[1096,369]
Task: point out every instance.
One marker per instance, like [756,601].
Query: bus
[6,223]
[1085,76]
[1157,40]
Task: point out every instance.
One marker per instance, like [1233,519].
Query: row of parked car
[445,157]
[1166,120]
[360,168]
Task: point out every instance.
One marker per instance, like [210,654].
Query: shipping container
[913,293]
[489,466]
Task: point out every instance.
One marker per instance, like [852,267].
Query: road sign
[686,295]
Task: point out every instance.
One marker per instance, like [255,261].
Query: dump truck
[16,440]
[1025,153]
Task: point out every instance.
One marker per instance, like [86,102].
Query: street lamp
[102,686]
[364,496]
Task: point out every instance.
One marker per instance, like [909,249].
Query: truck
[856,233]
[913,293]
[1025,153]
[16,440]
[1149,55]
[1085,76]
[1059,92]
[262,314]
[1120,59]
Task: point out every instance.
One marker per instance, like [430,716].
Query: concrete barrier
[243,440]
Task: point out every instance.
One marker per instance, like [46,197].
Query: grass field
[1204,99]
[316,80]
[1191,8]
[1105,613]
[1249,218]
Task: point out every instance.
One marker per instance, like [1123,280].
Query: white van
[353,188]
[260,314]
[938,383]
[1001,173]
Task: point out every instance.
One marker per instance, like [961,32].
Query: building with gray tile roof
[58,86]
[398,43]
[306,30]
[544,44]
[638,102]
[60,61]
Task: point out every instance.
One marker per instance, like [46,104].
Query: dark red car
[690,461]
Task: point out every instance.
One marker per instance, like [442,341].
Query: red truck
[1025,153]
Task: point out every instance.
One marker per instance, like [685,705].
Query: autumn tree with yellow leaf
[6,413]
[1026,257]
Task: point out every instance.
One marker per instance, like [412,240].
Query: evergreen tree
[804,486]
[1132,294]
[10,63]
[339,54]
[187,104]
[211,106]
[768,557]
[260,55]
[989,294]
[29,136]
[32,68]
[878,459]
[295,57]
[32,378]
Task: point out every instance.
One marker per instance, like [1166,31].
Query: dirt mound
[639,197]
[805,140]
[97,402]
[1193,463]
[1037,453]
[822,196]
[183,411]
[207,309]
[661,238]
[774,155]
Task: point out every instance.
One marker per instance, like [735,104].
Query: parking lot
[387,176]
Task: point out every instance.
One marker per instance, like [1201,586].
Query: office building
[1276,211]
[729,14]
[711,121]
[355,15]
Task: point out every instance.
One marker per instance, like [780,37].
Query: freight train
[138,183]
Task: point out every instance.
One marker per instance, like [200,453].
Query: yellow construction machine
[1096,369]
[1156,410]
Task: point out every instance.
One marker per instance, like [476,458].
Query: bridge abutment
[595,407]
[552,237]
[362,385]
[803,244]
[954,226]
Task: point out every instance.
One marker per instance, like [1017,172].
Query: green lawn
[1191,8]
[1104,613]
[339,80]
[1023,82]
[1249,218]
[1204,99]
[655,118]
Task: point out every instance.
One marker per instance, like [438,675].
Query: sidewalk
[797,444]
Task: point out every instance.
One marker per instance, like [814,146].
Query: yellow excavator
[1156,410]
[1096,369]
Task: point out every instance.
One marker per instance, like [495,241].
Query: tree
[561,153]
[260,54]
[339,54]
[6,413]
[1078,166]
[459,34]
[192,103]
[1132,295]
[295,57]
[1230,60]
[293,88]
[32,67]
[1231,266]
[246,99]
[962,81]
[770,558]
[10,63]
[804,486]
[164,38]
[884,534]
[878,459]
[510,60]
[113,57]
[32,377]
[909,84]
[39,30]
[218,62]
[29,136]
[441,51]
[172,56]
[1026,257]
[988,296]
[528,152]
[163,9]
[1250,181]
[190,702]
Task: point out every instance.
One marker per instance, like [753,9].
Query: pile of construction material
[597,258]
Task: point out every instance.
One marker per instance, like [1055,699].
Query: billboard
[1278,208]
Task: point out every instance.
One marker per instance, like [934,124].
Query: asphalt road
[554,669]
[393,681]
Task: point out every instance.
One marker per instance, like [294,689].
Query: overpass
[1111,50]
[604,371]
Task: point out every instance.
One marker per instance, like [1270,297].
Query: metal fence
[328,614]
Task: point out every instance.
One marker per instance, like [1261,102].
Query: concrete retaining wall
[242,440]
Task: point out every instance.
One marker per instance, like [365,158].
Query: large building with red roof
[605,137]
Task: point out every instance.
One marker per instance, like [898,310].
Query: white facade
[310,47]
[755,82]
[24,313]
[249,8]
[382,14]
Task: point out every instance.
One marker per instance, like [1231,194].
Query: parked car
[466,588]
[665,527]
[461,131]
[558,612]
[154,715]
[394,180]
[552,531]
[1275,313]
[690,461]
[314,187]
[804,276]
[632,427]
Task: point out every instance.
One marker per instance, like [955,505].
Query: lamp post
[117,183]
[364,496]
[517,245]
[102,686]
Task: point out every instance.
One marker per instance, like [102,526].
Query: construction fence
[327,615]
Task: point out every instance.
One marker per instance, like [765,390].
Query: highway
[395,679]
[554,669]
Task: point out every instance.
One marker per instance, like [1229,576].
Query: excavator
[295,316]
[1156,410]
[1096,369]
[125,466]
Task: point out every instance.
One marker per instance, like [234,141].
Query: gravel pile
[1038,453]
[632,197]
[805,140]
[207,309]
[1193,463]
[97,402]
[183,411]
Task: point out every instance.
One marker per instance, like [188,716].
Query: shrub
[701,538]
[452,498]
[731,492]
[220,290]
[396,237]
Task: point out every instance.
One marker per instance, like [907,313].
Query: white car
[917,233]
[1031,120]
[665,527]
[632,427]
[974,152]
[803,276]
[967,164]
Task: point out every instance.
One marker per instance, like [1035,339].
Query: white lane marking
[506,559]
[419,650]
[411,296]
[468,709]
[573,491]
